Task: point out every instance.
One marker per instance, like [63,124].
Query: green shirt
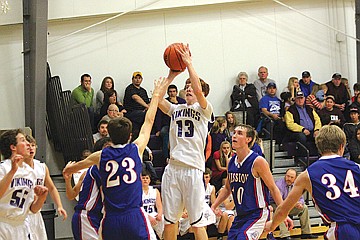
[80,95]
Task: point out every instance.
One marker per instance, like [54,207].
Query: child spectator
[231,123]
[356,88]
[350,127]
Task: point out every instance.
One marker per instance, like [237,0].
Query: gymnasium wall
[224,39]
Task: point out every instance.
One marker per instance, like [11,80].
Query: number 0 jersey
[188,131]
[335,189]
[249,193]
[17,199]
[120,170]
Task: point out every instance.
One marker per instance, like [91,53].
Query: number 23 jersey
[120,169]
[188,132]
[335,189]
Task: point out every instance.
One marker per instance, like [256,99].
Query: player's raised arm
[92,159]
[160,87]
[164,105]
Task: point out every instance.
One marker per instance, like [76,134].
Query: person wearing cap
[270,105]
[302,121]
[350,126]
[136,102]
[354,146]
[261,83]
[331,115]
[337,89]
[244,98]
[306,84]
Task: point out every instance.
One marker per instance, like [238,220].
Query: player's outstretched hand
[160,87]
[62,213]
[185,54]
[15,162]
[41,191]
[66,174]
[217,211]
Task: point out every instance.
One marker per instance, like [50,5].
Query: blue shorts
[131,224]
[249,226]
[343,231]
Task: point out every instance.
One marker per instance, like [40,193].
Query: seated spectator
[102,131]
[209,189]
[231,123]
[110,97]
[345,81]
[218,133]
[219,167]
[330,114]
[337,89]
[270,105]
[106,84]
[302,122]
[285,102]
[136,102]
[112,112]
[162,120]
[354,146]
[226,216]
[262,82]
[356,89]
[149,166]
[84,93]
[257,146]
[306,84]
[101,144]
[152,204]
[350,127]
[293,87]
[313,101]
[244,98]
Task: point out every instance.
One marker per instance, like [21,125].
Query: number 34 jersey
[120,169]
[188,132]
[335,189]
[249,193]
[16,201]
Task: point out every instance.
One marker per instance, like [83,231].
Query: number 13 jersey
[188,132]
[335,185]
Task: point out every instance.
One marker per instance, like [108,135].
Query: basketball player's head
[14,142]
[243,134]
[120,130]
[33,145]
[145,177]
[207,175]
[190,93]
[330,140]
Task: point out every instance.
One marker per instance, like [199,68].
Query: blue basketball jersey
[120,170]
[249,193]
[89,195]
[335,189]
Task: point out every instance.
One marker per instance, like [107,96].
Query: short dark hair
[204,87]
[250,132]
[102,122]
[7,139]
[30,139]
[85,75]
[108,94]
[172,86]
[145,173]
[356,87]
[99,144]
[119,130]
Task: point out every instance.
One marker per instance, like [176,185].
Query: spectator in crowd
[262,82]
[285,103]
[337,89]
[244,98]
[257,146]
[226,216]
[270,106]
[313,101]
[302,122]
[209,189]
[345,81]
[162,121]
[218,133]
[112,112]
[231,122]
[220,164]
[285,185]
[152,204]
[356,89]
[331,115]
[102,131]
[354,146]
[350,127]
[84,93]
[306,84]
[293,87]
[106,84]
[110,97]
[136,102]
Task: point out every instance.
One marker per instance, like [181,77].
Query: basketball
[173,59]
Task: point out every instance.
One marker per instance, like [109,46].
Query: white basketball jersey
[149,201]
[16,201]
[40,172]
[188,132]
[208,191]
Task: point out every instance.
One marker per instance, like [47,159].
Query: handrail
[300,145]
[271,138]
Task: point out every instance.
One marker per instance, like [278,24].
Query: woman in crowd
[106,84]
[221,161]
[110,97]
[231,122]
[292,87]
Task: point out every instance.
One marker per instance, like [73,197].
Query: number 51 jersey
[120,169]
[335,189]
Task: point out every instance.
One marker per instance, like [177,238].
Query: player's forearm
[223,195]
[70,192]
[38,203]
[279,216]
[55,196]
[194,79]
